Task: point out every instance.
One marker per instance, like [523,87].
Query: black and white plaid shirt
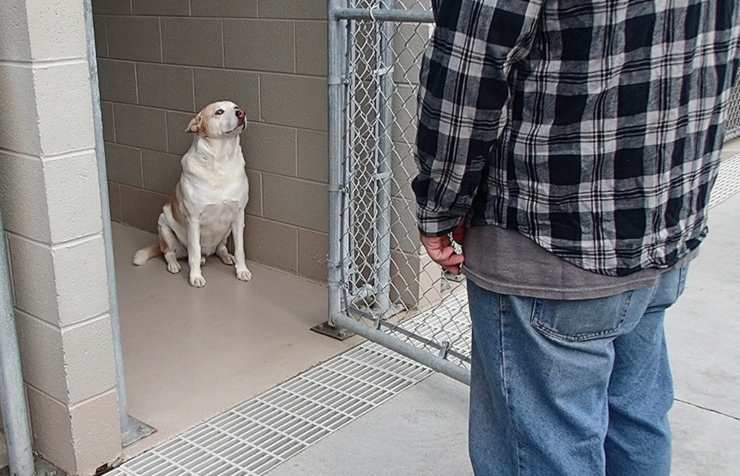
[592,127]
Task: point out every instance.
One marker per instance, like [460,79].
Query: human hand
[442,251]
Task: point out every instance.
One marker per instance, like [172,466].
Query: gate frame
[339,18]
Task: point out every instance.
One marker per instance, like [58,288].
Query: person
[571,147]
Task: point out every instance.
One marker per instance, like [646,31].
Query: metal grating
[728,181]
[257,435]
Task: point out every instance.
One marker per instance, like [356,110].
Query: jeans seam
[681,282]
[504,379]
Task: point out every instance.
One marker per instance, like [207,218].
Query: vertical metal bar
[348,136]
[127,426]
[12,394]
[385,85]
[335,94]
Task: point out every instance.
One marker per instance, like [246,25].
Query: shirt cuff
[436,224]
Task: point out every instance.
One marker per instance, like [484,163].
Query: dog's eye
[219,112]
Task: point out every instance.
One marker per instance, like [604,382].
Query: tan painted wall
[162,60]
[50,200]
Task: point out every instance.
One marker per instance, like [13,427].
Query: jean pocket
[670,287]
[581,321]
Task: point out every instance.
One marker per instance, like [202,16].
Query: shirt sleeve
[462,95]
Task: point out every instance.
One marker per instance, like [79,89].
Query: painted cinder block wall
[50,201]
[162,60]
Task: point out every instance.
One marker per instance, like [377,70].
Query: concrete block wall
[162,60]
[49,197]
[415,278]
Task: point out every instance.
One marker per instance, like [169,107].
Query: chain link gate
[381,283]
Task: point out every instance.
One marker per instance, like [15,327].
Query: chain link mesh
[733,114]
[388,281]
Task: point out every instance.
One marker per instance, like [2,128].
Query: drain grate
[257,435]
[728,181]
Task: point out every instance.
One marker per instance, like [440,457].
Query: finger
[453,270]
[440,254]
[454,260]
[436,243]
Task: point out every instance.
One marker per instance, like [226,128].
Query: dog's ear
[196,124]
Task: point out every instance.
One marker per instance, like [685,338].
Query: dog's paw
[197,280]
[243,274]
[227,259]
[173,268]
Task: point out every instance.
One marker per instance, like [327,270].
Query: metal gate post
[384,151]
[336,38]
[12,394]
[131,429]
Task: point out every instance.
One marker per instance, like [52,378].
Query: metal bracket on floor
[327,329]
[135,430]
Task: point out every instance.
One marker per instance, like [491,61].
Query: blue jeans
[571,388]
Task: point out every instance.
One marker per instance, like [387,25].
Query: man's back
[590,127]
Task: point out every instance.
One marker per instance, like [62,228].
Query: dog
[210,198]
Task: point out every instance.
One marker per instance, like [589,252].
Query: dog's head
[219,119]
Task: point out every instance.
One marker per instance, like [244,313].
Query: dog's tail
[145,254]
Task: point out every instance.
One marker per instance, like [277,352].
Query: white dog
[209,200]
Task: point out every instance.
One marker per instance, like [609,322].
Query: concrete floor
[423,430]
[193,353]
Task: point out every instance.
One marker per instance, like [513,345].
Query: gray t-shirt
[506,262]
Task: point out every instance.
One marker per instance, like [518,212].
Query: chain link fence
[733,114]
[385,286]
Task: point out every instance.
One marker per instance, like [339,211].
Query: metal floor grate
[257,435]
[728,181]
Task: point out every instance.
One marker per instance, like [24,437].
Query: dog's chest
[220,215]
[216,193]
[215,223]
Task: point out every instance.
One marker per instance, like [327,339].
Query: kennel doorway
[188,353]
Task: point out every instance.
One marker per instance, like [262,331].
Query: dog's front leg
[237,231]
[194,259]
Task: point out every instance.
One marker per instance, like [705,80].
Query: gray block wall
[160,61]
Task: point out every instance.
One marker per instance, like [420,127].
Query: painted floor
[192,353]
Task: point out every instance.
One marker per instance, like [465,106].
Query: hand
[440,249]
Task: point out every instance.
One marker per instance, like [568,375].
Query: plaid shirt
[592,127]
